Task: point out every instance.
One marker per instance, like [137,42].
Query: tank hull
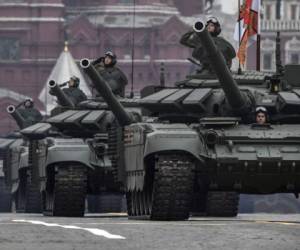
[228,160]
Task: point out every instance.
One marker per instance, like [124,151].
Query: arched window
[292,49]
[291,10]
[146,47]
[268,55]
[269,10]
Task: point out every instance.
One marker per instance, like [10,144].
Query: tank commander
[106,66]
[30,114]
[191,40]
[73,91]
[261,115]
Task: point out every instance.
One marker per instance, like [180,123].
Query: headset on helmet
[112,56]
[30,101]
[98,60]
[261,109]
[76,81]
[217,25]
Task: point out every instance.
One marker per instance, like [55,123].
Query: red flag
[249,20]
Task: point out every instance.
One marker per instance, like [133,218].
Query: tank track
[69,191]
[19,197]
[33,202]
[114,148]
[5,196]
[171,195]
[222,204]
[106,203]
[27,198]
[199,204]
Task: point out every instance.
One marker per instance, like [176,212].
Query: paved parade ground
[104,231]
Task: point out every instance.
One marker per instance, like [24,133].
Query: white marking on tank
[95,231]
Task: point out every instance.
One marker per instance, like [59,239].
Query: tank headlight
[211,137]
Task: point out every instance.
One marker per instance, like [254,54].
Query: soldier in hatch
[191,40]
[261,115]
[106,66]
[30,114]
[73,91]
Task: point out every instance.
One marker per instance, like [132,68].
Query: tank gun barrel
[105,91]
[11,109]
[234,96]
[63,99]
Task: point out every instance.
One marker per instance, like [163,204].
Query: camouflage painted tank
[201,139]
[79,153]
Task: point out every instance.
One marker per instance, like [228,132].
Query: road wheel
[223,204]
[65,193]
[167,191]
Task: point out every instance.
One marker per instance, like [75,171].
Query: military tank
[18,170]
[5,195]
[201,137]
[79,154]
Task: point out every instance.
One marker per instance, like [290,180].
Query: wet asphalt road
[258,231]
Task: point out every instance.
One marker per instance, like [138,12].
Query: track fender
[185,140]
[68,150]
[23,163]
[145,140]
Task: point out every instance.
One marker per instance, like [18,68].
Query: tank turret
[61,96]
[238,102]
[104,90]
[11,109]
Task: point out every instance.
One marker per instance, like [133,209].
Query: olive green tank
[80,153]
[200,139]
[17,165]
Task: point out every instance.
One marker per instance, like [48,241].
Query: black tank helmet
[76,81]
[217,25]
[263,110]
[112,56]
[30,101]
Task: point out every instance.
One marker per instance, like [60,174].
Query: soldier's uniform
[73,92]
[191,40]
[31,115]
[114,76]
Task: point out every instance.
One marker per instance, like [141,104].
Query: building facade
[31,35]
[285,18]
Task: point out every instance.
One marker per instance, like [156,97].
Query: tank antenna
[239,23]
[132,51]
[162,74]
[279,67]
